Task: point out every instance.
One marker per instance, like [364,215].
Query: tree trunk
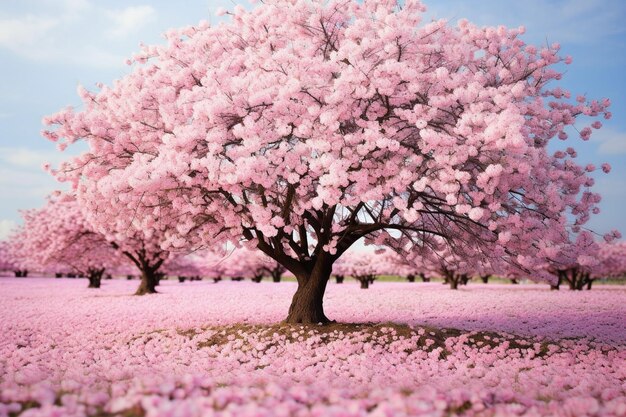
[182,279]
[514,281]
[464,278]
[485,278]
[410,278]
[95,277]
[453,279]
[277,275]
[257,279]
[557,286]
[365,283]
[339,279]
[148,282]
[589,282]
[424,278]
[307,303]
[58,275]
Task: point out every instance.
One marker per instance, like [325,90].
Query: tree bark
[410,278]
[557,286]
[452,278]
[95,277]
[277,274]
[424,277]
[365,283]
[589,282]
[485,278]
[307,303]
[148,282]
[339,279]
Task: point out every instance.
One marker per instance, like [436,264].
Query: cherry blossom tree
[395,264]
[365,267]
[611,262]
[6,263]
[303,126]
[573,261]
[183,266]
[18,254]
[58,237]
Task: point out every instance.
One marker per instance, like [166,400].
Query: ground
[204,349]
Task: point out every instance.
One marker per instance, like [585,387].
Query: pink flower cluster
[211,350]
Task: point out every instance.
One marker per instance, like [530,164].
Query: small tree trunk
[257,279]
[182,279]
[365,283]
[217,279]
[410,278]
[95,277]
[339,279]
[464,278]
[129,277]
[514,281]
[452,279]
[485,278]
[307,303]
[559,280]
[424,277]
[589,282]
[58,275]
[148,282]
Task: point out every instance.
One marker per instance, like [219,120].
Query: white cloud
[75,32]
[18,33]
[6,226]
[30,159]
[129,20]
[610,141]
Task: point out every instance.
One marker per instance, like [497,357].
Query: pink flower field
[204,349]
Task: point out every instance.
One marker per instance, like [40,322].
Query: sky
[49,47]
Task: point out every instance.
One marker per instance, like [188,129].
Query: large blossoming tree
[303,126]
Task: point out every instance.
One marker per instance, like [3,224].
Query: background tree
[612,261]
[58,236]
[573,261]
[303,126]
[6,263]
[183,266]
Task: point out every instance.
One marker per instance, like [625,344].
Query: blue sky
[49,47]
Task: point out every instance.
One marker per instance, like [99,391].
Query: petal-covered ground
[204,349]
